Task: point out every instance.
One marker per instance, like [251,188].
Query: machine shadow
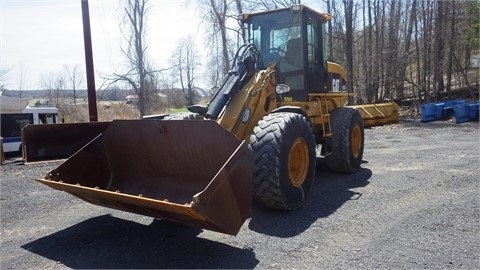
[329,192]
[109,242]
[113,243]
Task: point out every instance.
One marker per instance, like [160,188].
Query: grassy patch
[178,110]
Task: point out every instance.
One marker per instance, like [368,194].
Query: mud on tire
[347,142]
[283,146]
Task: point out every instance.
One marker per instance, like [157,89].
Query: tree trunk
[330,33]
[451,49]
[405,59]
[221,16]
[438,50]
[348,4]
[390,52]
[377,58]
[370,90]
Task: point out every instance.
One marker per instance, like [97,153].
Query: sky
[40,37]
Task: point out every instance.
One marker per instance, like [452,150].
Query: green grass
[178,110]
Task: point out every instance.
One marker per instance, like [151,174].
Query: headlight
[282,89]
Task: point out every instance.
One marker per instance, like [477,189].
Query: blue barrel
[439,111]
[461,113]
[473,110]
[448,107]
[428,113]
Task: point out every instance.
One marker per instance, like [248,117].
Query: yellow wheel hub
[298,160]
[356,141]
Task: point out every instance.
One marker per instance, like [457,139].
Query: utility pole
[87,39]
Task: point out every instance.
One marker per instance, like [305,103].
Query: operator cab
[295,39]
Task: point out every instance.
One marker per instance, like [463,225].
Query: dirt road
[413,205]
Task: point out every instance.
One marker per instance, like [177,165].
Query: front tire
[347,141]
[283,146]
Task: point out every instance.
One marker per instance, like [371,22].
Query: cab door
[316,64]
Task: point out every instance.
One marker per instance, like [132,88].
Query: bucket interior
[162,160]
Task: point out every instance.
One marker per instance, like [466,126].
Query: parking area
[414,204]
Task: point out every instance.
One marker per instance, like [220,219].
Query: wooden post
[87,39]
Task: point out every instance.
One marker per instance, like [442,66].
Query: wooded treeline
[391,49]
[407,49]
[399,49]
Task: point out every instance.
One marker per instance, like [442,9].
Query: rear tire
[347,141]
[283,146]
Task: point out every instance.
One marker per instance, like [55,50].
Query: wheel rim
[298,162]
[356,141]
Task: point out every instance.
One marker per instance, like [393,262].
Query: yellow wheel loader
[256,139]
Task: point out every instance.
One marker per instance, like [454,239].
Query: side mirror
[282,89]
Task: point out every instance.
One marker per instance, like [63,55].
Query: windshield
[278,36]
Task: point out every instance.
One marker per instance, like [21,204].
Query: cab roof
[296,7]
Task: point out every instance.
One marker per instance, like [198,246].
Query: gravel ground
[413,205]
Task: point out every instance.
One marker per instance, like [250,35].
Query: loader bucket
[57,141]
[188,171]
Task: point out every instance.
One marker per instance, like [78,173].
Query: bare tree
[391,48]
[330,30]
[73,80]
[452,48]
[239,6]
[348,4]
[47,84]
[218,9]
[22,78]
[270,4]
[55,85]
[222,36]
[137,76]
[438,63]
[185,64]
[217,15]
[3,77]
[216,40]
[404,57]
